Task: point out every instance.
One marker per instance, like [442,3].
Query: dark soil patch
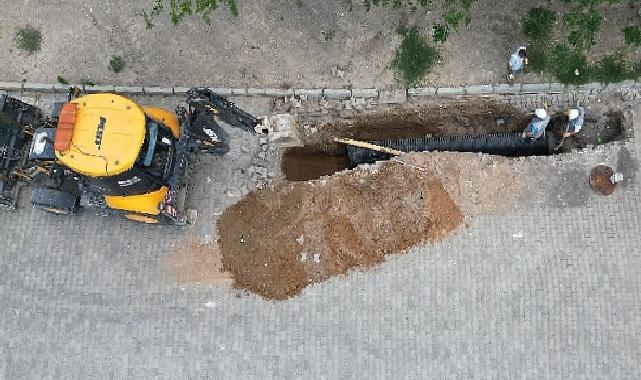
[597,130]
[600,180]
[276,242]
[310,162]
[457,119]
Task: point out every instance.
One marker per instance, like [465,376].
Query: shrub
[611,69]
[566,63]
[415,58]
[632,35]
[116,64]
[28,39]
[62,80]
[538,22]
[440,32]
[537,55]
[583,24]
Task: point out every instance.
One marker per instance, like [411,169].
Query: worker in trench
[517,63]
[536,128]
[575,121]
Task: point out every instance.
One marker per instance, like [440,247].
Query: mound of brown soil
[276,242]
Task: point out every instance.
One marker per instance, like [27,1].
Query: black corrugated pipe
[503,144]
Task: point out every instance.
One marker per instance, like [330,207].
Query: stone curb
[394,95]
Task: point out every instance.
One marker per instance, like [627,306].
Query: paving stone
[128,90]
[183,90]
[337,93]
[224,91]
[256,91]
[479,89]
[421,91]
[11,86]
[505,88]
[392,96]
[450,90]
[279,92]
[37,87]
[365,93]
[159,90]
[99,88]
[309,92]
[591,86]
[535,87]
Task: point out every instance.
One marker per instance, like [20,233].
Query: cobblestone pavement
[550,290]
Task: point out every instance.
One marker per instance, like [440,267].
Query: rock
[300,240]
[317,257]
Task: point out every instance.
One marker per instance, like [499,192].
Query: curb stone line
[337,93]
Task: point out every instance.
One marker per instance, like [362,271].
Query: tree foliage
[179,9]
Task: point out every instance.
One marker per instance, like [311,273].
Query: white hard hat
[573,114]
[541,113]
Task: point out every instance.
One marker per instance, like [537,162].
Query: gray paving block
[64,88]
[535,88]
[224,91]
[182,90]
[128,90]
[479,89]
[450,90]
[559,87]
[158,90]
[421,91]
[256,91]
[505,88]
[279,92]
[309,92]
[591,86]
[365,93]
[239,91]
[99,88]
[11,85]
[38,87]
[337,93]
[392,96]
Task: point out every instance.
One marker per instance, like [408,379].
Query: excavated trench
[482,126]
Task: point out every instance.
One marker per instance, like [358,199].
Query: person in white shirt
[518,60]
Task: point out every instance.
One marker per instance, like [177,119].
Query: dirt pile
[479,184]
[276,242]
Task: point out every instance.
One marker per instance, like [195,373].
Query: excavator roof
[100,135]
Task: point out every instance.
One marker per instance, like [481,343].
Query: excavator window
[157,153]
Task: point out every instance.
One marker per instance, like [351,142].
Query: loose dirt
[276,242]
[600,180]
[199,263]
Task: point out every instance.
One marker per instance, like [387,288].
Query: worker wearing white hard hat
[575,121]
[537,126]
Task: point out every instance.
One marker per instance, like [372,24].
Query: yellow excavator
[106,152]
